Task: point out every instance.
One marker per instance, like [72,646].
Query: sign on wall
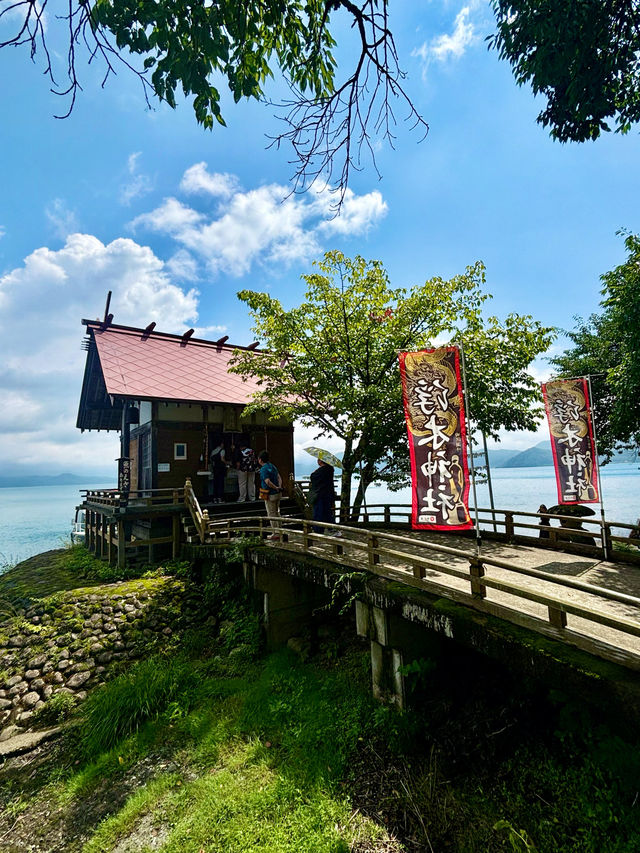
[572,441]
[124,474]
[435,417]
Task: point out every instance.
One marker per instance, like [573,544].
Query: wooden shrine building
[172,399]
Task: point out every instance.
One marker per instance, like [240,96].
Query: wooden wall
[133,455]
[180,469]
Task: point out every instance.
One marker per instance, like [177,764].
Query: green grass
[265,756]
[67,569]
[41,576]
[207,750]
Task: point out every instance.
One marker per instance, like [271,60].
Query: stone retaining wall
[72,641]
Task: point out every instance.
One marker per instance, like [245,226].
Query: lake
[38,518]
[526,488]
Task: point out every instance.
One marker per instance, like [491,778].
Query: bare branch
[329,133]
[30,16]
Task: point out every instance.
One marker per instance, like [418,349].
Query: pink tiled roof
[164,367]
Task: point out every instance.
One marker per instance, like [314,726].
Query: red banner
[571,429]
[434,412]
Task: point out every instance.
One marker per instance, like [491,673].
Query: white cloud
[19,411]
[183,266]
[62,220]
[211,333]
[265,225]
[42,304]
[358,214]
[3,231]
[197,179]
[452,46]
[172,217]
[137,184]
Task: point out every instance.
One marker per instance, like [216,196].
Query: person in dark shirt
[218,471]
[322,495]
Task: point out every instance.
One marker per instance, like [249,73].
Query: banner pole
[597,464]
[489,482]
[467,409]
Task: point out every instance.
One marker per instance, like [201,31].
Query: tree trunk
[365,482]
[345,482]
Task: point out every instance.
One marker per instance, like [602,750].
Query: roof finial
[106,319]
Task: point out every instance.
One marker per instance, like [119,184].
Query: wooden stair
[245,509]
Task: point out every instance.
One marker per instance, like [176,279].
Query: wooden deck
[583,601]
[557,586]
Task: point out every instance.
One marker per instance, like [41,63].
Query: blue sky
[175,220]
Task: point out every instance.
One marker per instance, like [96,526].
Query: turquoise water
[39,518]
[36,519]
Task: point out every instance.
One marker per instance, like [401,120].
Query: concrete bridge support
[288,602]
[404,624]
[386,662]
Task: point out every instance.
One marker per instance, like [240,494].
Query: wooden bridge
[558,585]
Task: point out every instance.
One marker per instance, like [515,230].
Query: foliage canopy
[332,362]
[607,347]
[583,57]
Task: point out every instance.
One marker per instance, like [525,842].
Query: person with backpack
[246,465]
[270,491]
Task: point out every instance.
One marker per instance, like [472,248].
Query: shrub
[56,710]
[145,691]
[81,562]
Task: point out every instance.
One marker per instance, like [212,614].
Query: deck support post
[509,527]
[103,535]
[557,618]
[476,570]
[121,545]
[288,602]
[607,544]
[110,543]
[175,541]
[387,680]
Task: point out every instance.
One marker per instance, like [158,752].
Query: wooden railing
[408,560]
[200,517]
[593,536]
[136,497]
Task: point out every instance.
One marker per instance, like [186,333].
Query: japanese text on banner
[434,412]
[572,442]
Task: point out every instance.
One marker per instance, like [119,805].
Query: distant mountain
[534,457]
[498,457]
[17,480]
[541,454]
